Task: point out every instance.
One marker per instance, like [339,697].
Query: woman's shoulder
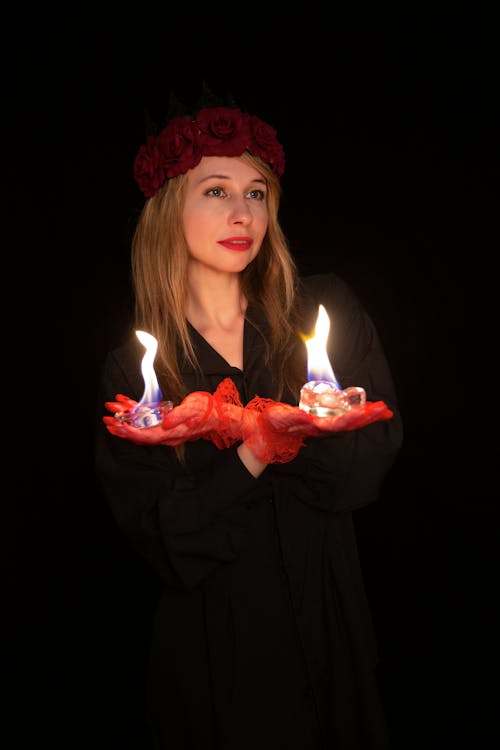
[325,284]
[327,289]
[127,349]
[124,355]
[121,368]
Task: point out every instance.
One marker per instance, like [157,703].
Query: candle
[323,395]
[148,412]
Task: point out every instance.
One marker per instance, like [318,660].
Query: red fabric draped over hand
[273,430]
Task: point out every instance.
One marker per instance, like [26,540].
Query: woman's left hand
[295,421]
[275,431]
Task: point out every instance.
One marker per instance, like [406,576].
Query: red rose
[179,146]
[223,131]
[266,145]
[216,131]
[149,172]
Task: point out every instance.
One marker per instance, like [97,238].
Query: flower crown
[214,131]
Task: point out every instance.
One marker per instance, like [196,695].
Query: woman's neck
[214,301]
[216,308]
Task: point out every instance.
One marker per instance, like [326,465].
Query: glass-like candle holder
[323,399]
[145,415]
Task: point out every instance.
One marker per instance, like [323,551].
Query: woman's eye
[217,192]
[257,194]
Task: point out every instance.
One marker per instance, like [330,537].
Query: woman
[262,635]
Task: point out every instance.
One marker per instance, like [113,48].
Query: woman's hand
[292,420]
[200,415]
[214,417]
[272,430]
[275,431]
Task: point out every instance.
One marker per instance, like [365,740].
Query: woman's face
[225,213]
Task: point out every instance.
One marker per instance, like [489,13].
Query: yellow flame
[318,363]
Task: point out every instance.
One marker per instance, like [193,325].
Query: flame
[152,392]
[318,364]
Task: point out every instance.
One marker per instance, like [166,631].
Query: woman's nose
[240,212]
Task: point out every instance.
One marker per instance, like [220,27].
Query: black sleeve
[346,470]
[183,521]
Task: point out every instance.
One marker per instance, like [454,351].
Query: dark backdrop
[390,130]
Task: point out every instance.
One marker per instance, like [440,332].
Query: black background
[390,128]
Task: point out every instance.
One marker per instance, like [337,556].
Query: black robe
[262,636]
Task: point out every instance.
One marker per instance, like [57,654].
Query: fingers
[147,436]
[155,435]
[290,419]
[373,411]
[193,418]
[376,412]
[194,410]
[122,403]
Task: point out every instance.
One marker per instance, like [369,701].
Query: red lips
[240,244]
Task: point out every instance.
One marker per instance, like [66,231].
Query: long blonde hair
[159,273]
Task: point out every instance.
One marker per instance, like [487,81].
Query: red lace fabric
[274,431]
[229,410]
[277,430]
[267,443]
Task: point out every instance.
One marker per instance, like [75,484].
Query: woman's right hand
[200,415]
